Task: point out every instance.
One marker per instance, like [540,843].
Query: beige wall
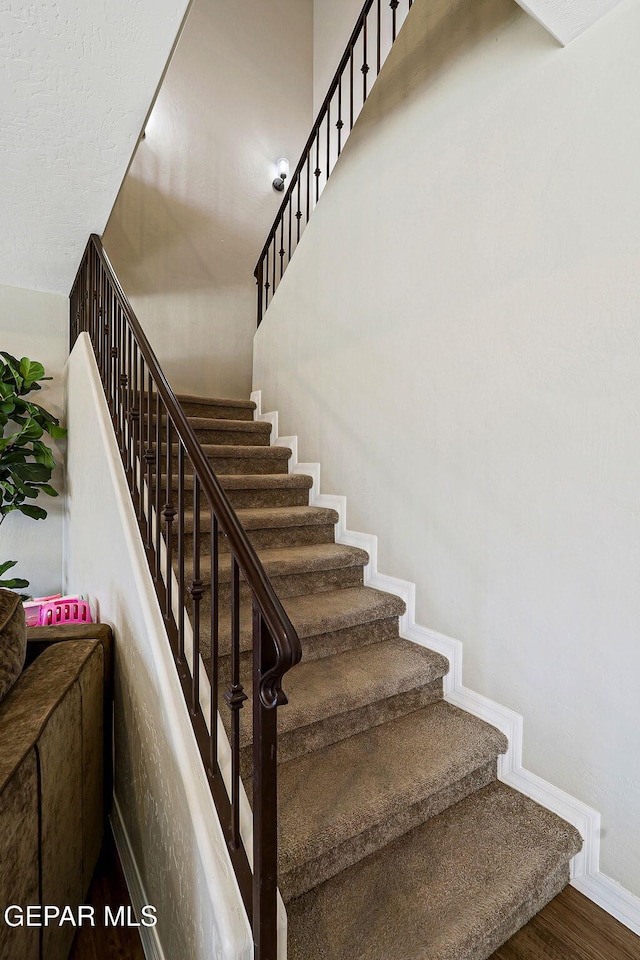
[457,342]
[197,203]
[333,23]
[162,796]
[35,325]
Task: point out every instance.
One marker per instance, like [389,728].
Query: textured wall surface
[566,19]
[160,783]
[76,81]
[35,325]
[197,203]
[457,342]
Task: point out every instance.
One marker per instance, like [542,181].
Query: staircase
[396,841]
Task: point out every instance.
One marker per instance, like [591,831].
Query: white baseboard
[585,873]
[151,944]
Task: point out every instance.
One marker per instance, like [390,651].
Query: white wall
[333,23]
[197,204]
[457,342]
[161,792]
[35,325]
[77,82]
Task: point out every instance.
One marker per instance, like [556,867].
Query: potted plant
[26,462]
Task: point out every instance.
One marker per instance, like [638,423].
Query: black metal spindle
[365,65]
[351,88]
[169,514]
[265,795]
[215,620]
[328,143]
[196,592]
[298,215]
[317,170]
[235,698]
[181,512]
[158,486]
[394,7]
[378,36]
[281,250]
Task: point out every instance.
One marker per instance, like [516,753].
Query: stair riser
[313,648]
[303,740]
[269,537]
[236,438]
[217,411]
[247,498]
[237,466]
[297,881]
[294,585]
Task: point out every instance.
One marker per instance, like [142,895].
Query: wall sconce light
[283,172]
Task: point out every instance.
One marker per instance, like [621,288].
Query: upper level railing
[190,532]
[373,36]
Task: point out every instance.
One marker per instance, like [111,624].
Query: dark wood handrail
[159,450]
[289,651]
[322,112]
[266,273]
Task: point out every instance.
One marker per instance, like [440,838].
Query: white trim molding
[585,872]
[151,944]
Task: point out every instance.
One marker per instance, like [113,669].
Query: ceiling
[565,19]
[76,81]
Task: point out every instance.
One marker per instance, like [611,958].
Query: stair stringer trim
[585,873]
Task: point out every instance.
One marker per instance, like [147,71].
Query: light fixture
[283,172]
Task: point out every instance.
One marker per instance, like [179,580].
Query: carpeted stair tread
[229,451]
[265,481]
[318,689]
[407,769]
[455,888]
[270,518]
[221,408]
[313,614]
[242,432]
[359,609]
[284,561]
[258,518]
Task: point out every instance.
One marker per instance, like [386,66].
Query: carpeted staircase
[397,842]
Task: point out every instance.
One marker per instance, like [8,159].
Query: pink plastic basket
[48,611]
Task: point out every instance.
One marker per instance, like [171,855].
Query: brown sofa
[52,790]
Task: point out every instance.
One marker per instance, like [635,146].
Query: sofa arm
[51,763]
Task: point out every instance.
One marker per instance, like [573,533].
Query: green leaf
[33,472]
[7,565]
[30,510]
[48,489]
[16,584]
[56,432]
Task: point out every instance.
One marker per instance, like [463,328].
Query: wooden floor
[570,928]
[108,888]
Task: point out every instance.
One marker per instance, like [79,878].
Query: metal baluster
[365,65]
[308,186]
[169,514]
[134,440]
[273,288]
[328,142]
[196,592]
[235,697]
[281,250]
[260,282]
[266,286]
[181,510]
[158,566]
[149,457]
[378,34]
[298,214]
[290,213]
[265,797]
[215,589]
[351,89]
[317,170]
[339,123]
[394,7]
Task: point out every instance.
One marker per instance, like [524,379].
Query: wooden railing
[177,496]
[373,36]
